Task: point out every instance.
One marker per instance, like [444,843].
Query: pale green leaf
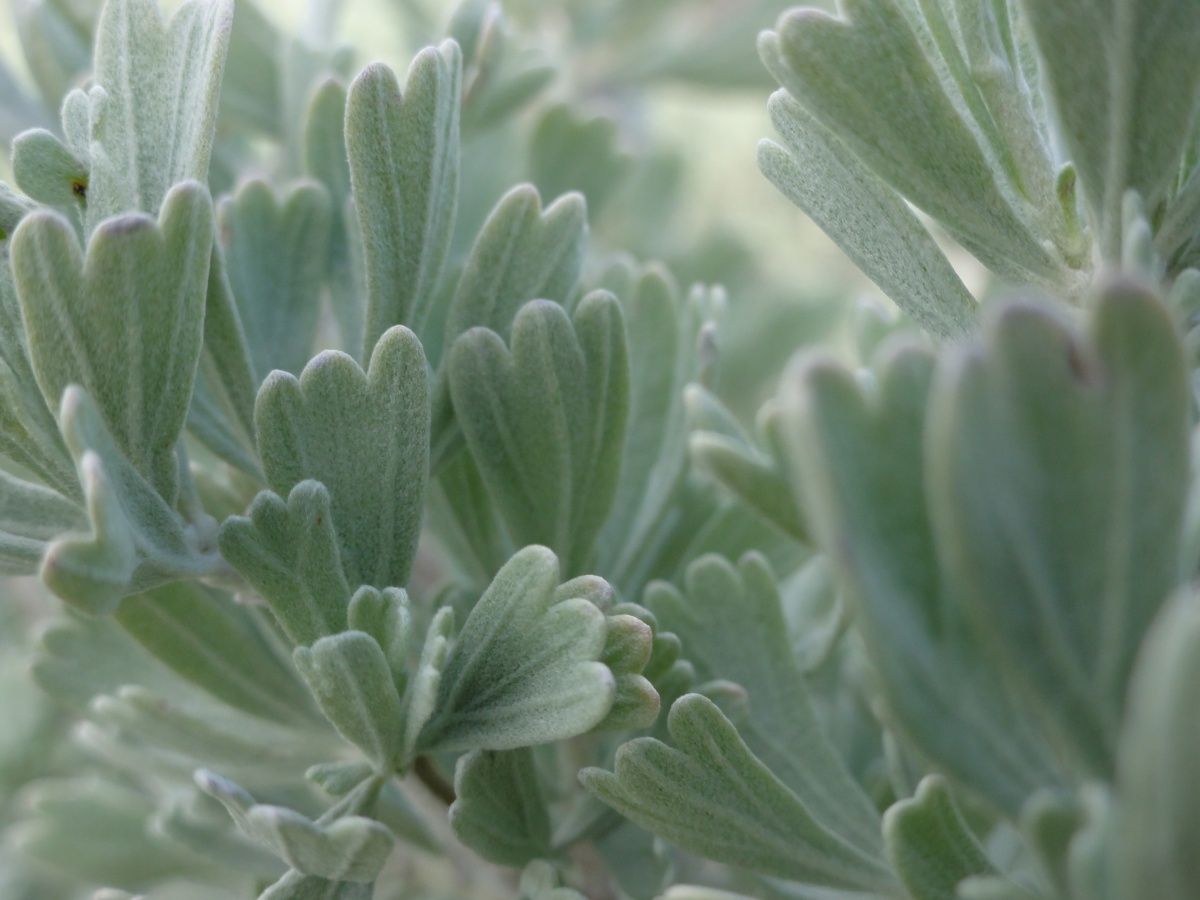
[500,810]
[126,323]
[288,553]
[545,420]
[866,218]
[136,542]
[403,152]
[713,797]
[30,516]
[350,678]
[1158,790]
[424,687]
[570,152]
[1057,473]
[275,257]
[350,847]
[386,617]
[1125,81]
[731,626]
[525,668]
[47,171]
[154,106]
[929,843]
[865,77]
[365,437]
[218,646]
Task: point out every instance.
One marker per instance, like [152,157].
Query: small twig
[429,776]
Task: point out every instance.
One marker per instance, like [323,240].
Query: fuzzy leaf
[525,669]
[731,624]
[288,553]
[627,650]
[1057,474]
[866,218]
[350,848]
[222,412]
[403,152]
[275,257]
[137,542]
[522,253]
[545,422]
[31,515]
[1158,790]
[325,160]
[154,107]
[713,797]
[568,152]
[349,676]
[861,462]
[930,845]
[865,77]
[424,688]
[1125,84]
[47,171]
[126,323]
[385,616]
[297,886]
[500,810]
[365,436]
[216,645]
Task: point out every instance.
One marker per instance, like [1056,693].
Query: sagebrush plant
[497,595]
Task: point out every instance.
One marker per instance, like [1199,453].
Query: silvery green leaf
[126,323]
[338,778]
[1049,822]
[365,436]
[545,421]
[275,257]
[222,411]
[627,649]
[296,886]
[570,152]
[520,76]
[154,107]
[713,797]
[743,469]
[866,218]
[47,171]
[251,89]
[31,515]
[860,460]
[325,160]
[218,646]
[462,514]
[500,810]
[1124,82]
[403,152]
[136,541]
[930,845]
[731,626]
[288,553]
[525,669]
[540,880]
[865,77]
[1057,474]
[350,847]
[662,330]
[13,208]
[200,823]
[1158,791]
[352,683]
[386,617]
[424,687]
[94,830]
[137,711]
[522,253]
